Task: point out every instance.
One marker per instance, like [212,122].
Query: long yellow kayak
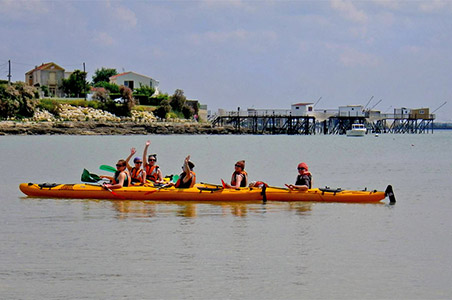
[201,193]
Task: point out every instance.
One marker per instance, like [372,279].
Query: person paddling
[137,174]
[121,177]
[304,178]
[187,178]
[153,172]
[239,177]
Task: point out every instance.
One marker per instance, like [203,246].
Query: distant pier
[278,123]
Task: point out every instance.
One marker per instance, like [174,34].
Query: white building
[351,111]
[134,80]
[302,109]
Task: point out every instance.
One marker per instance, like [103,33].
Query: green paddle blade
[175,178]
[108,168]
[88,177]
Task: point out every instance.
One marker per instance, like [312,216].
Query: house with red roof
[134,80]
[48,74]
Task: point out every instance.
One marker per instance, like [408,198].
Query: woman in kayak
[187,178]
[153,172]
[121,177]
[304,178]
[137,174]
[239,177]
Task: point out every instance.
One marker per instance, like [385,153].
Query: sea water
[92,249]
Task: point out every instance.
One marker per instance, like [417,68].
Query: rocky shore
[88,121]
[108,128]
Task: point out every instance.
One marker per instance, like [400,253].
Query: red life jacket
[244,181]
[180,184]
[152,173]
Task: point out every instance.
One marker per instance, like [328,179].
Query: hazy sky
[237,53]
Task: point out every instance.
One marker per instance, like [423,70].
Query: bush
[163,110]
[17,99]
[51,105]
[178,100]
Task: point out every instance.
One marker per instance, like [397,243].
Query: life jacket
[126,180]
[136,175]
[152,173]
[180,184]
[304,179]
[244,181]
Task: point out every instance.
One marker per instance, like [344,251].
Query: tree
[103,74]
[76,84]
[178,100]
[127,101]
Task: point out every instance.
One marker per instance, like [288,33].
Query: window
[129,84]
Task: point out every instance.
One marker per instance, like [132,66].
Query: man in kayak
[187,178]
[121,177]
[137,174]
[153,172]
[239,177]
[304,178]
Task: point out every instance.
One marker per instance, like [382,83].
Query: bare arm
[132,152]
[145,154]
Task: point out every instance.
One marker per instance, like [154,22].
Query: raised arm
[145,154]
[132,152]
[188,174]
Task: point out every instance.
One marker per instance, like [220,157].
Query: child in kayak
[137,174]
[153,172]
[304,178]
[187,178]
[239,177]
[121,177]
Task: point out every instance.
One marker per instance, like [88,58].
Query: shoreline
[108,128]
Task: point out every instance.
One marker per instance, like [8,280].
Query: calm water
[88,249]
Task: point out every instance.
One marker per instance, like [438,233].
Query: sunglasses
[118,165]
[299,169]
[238,166]
[138,162]
[151,159]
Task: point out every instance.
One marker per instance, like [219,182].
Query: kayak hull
[199,193]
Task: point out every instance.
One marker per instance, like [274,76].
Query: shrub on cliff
[163,109]
[178,100]
[17,99]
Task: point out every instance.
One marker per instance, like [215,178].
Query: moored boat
[202,193]
[357,130]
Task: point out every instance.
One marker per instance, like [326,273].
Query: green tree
[103,74]
[178,100]
[128,102]
[75,85]
[111,87]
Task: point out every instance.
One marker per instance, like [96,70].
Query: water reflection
[149,209]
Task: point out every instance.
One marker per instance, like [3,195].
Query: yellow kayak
[201,193]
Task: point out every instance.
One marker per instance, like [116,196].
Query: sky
[248,54]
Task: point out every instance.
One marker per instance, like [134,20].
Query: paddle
[89,177]
[108,168]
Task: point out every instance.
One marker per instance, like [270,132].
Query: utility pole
[9,72]
[84,81]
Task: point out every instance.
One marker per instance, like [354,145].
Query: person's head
[121,165]
[191,165]
[240,165]
[152,159]
[302,167]
[137,161]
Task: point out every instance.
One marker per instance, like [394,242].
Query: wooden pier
[308,125]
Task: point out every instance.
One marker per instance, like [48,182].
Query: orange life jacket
[136,175]
[180,184]
[152,173]
[244,181]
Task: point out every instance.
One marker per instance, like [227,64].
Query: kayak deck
[200,193]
